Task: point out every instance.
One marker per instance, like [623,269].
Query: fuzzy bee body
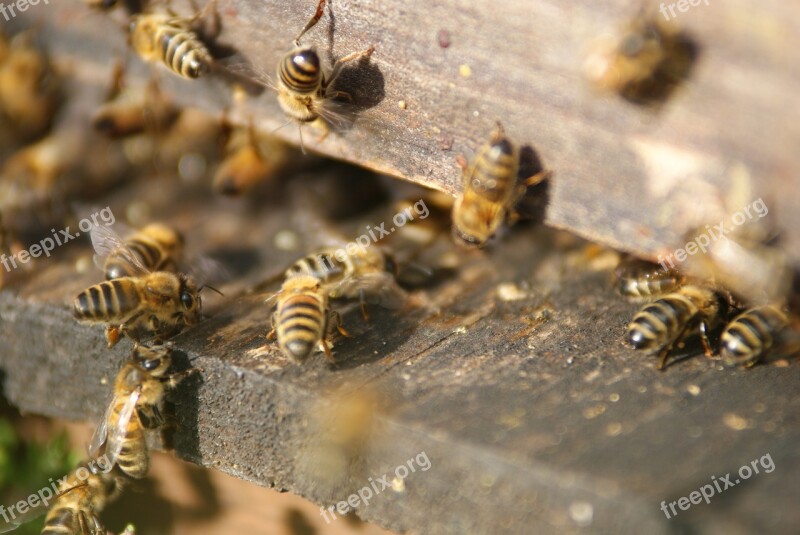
[642,280]
[659,325]
[160,38]
[490,191]
[156,247]
[159,303]
[752,334]
[76,509]
[305,93]
[303,319]
[139,388]
[365,272]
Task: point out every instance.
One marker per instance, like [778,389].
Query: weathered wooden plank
[624,176]
[532,413]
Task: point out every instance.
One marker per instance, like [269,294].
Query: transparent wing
[101,432]
[105,242]
[116,435]
[380,288]
[205,269]
[18,520]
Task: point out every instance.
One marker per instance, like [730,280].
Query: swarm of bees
[150,292]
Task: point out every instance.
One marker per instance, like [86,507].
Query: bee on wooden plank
[491,190]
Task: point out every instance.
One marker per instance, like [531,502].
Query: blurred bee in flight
[139,389]
[178,43]
[305,93]
[645,63]
[491,189]
[250,160]
[130,111]
[30,88]
[303,319]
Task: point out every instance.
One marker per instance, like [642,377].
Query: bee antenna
[210,288]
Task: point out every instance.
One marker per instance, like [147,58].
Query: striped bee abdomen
[182,51]
[133,458]
[495,171]
[658,323]
[117,265]
[322,266]
[300,71]
[109,299]
[60,521]
[300,325]
[751,334]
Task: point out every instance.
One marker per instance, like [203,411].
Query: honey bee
[156,304]
[250,161]
[156,247]
[30,87]
[76,509]
[305,93]
[129,111]
[645,64]
[752,334]
[661,324]
[366,272]
[139,389]
[638,279]
[490,191]
[173,41]
[303,318]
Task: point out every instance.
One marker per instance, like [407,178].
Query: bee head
[190,300]
[466,239]
[155,360]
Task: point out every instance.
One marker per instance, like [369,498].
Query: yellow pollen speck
[465,71]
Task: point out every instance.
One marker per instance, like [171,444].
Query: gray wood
[533,414]
[629,177]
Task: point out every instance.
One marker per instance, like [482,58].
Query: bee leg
[541,176]
[206,21]
[150,416]
[175,378]
[363,302]
[337,67]
[703,328]
[667,349]
[461,162]
[310,24]
[113,333]
[272,333]
[326,348]
[335,322]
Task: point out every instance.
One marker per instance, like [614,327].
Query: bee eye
[151,364]
[632,45]
[187,300]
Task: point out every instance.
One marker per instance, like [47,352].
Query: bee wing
[20,519]
[105,242]
[101,431]
[117,434]
[380,288]
[205,269]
